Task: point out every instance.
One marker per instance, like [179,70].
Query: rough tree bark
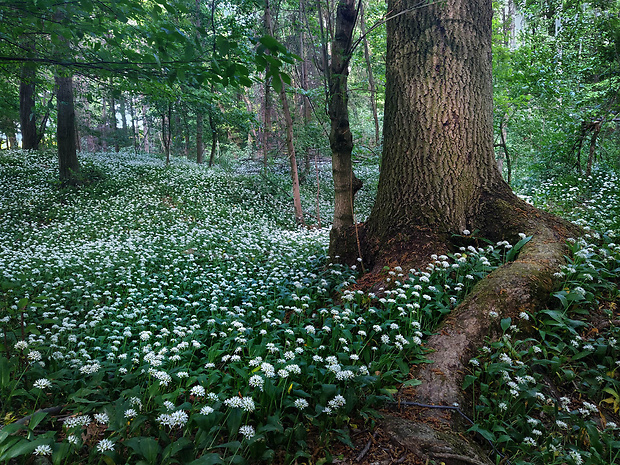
[340,137]
[438,157]
[69,167]
[438,178]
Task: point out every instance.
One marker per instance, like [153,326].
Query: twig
[366,448]
[357,236]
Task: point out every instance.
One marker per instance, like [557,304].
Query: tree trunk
[124,132]
[596,129]
[166,132]
[503,144]
[104,125]
[117,147]
[340,137]
[28,121]
[199,142]
[438,157]
[299,214]
[371,79]
[132,112]
[65,133]
[306,111]
[145,125]
[12,136]
[213,127]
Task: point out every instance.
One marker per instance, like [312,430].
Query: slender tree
[340,137]
[372,87]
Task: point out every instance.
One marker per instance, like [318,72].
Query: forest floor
[176,315]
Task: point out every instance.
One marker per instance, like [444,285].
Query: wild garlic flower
[206,410]
[43,449]
[105,445]
[301,404]
[42,383]
[247,431]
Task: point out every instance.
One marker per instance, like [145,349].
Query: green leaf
[36,418]
[207,459]
[469,380]
[234,420]
[147,447]
[512,253]
[8,430]
[271,43]
[412,382]
[24,447]
[5,373]
[276,83]
[505,323]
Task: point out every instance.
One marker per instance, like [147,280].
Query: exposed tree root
[524,285]
[520,286]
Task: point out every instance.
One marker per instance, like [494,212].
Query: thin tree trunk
[123,110]
[306,111]
[266,136]
[502,132]
[145,125]
[185,135]
[340,137]
[199,141]
[596,129]
[266,133]
[104,127]
[288,120]
[12,136]
[213,127]
[371,79]
[117,147]
[65,133]
[132,112]
[299,214]
[166,130]
[43,123]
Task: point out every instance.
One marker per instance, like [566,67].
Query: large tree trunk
[340,137]
[438,157]
[65,133]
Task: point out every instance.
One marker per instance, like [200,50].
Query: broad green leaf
[207,459]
